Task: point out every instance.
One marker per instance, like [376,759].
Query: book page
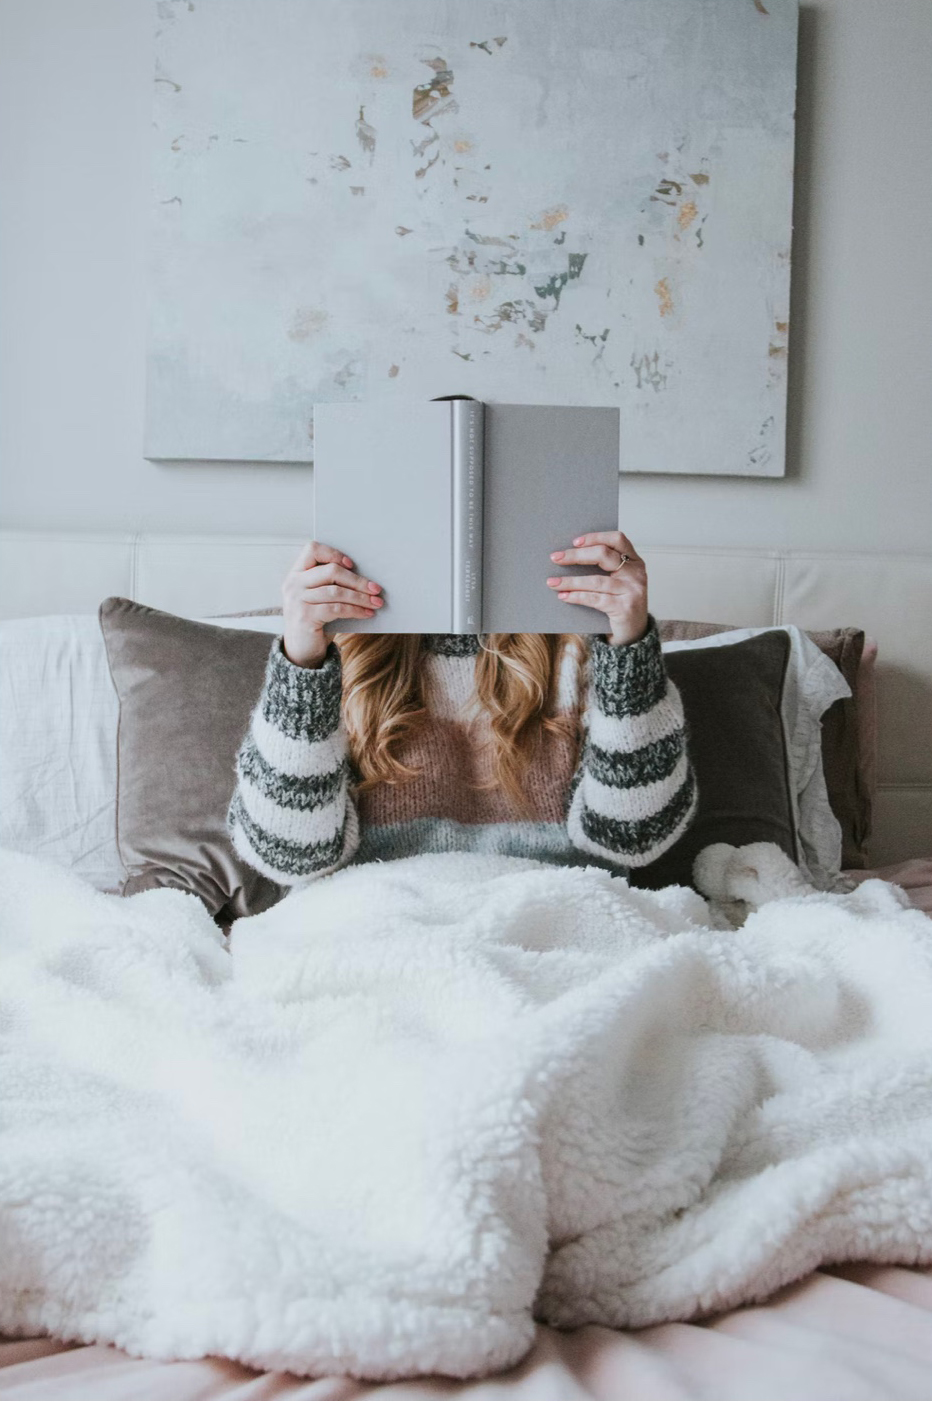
[382,494]
[551,473]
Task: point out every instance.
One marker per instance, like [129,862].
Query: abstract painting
[528,201]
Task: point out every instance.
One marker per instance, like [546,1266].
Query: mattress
[848,1331]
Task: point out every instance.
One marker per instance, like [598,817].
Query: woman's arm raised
[292,816]
[634,790]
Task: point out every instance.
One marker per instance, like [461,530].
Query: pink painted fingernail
[578,540]
[347,561]
[554,579]
[561,596]
[557,555]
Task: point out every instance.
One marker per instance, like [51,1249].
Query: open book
[454,507]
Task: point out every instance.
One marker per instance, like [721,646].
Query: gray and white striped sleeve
[292,816]
[634,791]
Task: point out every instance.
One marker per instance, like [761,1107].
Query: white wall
[75,85]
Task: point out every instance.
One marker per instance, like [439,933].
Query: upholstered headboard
[889,596]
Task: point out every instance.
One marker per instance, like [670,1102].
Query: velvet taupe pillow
[844,765]
[732,702]
[186,691]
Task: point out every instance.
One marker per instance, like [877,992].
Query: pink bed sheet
[915,877]
[852,1331]
[849,1332]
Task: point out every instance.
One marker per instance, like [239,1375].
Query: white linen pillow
[813,683]
[58,741]
[58,724]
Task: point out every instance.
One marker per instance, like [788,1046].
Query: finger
[572,582]
[616,539]
[592,599]
[628,549]
[347,611]
[336,574]
[305,557]
[605,555]
[335,593]
[317,553]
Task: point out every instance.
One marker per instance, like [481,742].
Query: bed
[852,1330]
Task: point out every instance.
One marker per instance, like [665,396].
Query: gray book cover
[455,506]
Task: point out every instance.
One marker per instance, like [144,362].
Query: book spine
[467,466]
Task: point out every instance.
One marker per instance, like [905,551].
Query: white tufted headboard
[889,596]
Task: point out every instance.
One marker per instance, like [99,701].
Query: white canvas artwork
[528,201]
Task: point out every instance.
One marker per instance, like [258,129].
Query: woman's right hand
[320,587]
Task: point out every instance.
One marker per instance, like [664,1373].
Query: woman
[568,748]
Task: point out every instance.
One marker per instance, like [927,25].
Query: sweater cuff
[303,702]
[628,678]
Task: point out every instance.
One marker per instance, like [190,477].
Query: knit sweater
[294,815]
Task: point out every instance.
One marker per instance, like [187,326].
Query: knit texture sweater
[294,815]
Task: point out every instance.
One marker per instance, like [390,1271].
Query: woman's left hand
[620,593]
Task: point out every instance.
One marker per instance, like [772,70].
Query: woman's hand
[320,587]
[620,593]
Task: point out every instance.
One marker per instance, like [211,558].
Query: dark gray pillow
[186,691]
[844,760]
[731,698]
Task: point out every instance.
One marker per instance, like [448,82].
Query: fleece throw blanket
[419,1103]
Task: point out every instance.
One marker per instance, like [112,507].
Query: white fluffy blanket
[419,1103]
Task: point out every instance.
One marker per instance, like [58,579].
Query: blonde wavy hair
[516,681]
